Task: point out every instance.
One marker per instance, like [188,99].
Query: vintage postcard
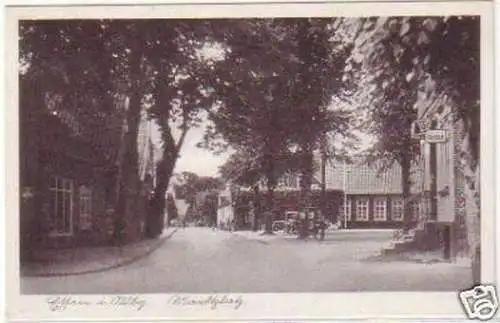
[251,161]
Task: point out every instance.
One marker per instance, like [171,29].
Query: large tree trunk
[323,184]
[271,182]
[472,191]
[165,169]
[472,207]
[473,211]
[128,178]
[305,192]
[156,215]
[269,213]
[256,207]
[406,185]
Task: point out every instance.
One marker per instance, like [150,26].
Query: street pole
[323,184]
[345,195]
[433,177]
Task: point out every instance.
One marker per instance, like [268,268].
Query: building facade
[356,195]
[68,178]
[226,208]
[372,197]
[453,206]
[64,189]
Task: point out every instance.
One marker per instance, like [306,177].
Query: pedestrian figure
[303,225]
[315,227]
[322,228]
[184,223]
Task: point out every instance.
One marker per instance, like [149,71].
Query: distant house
[206,206]
[225,210]
[68,177]
[181,206]
[373,198]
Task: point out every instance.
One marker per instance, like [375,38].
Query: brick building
[374,198]
[453,206]
[68,176]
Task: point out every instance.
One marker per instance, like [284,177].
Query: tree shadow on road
[408,257]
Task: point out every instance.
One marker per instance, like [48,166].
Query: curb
[264,242]
[125,262]
[402,257]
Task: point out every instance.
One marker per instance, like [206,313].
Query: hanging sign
[435,136]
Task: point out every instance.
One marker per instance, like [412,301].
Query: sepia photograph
[240,155]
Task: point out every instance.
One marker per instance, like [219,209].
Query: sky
[192,158]
[198,160]
[205,163]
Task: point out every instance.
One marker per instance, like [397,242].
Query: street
[200,260]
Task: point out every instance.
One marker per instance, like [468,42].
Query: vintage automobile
[288,224]
[279,225]
[292,221]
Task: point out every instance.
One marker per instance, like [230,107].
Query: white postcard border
[415,305]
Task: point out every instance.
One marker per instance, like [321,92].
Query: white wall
[225,212]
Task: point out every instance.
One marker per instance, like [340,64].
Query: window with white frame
[61,205]
[397,209]
[289,181]
[380,209]
[362,209]
[85,201]
[345,213]
[415,209]
[426,207]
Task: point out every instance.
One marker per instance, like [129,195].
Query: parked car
[175,222]
[279,225]
[334,226]
[291,221]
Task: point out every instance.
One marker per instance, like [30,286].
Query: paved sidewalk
[66,262]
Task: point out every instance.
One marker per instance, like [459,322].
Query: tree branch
[185,129]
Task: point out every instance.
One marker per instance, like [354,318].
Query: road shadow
[407,257]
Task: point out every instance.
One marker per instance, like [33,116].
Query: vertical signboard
[445,184]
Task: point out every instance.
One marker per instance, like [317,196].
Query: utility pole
[323,182]
[345,194]
[445,232]
[433,176]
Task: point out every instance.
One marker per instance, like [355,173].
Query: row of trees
[266,85]
[275,104]
[398,64]
[402,63]
[94,66]
[200,193]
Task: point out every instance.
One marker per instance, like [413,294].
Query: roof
[47,116]
[361,178]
